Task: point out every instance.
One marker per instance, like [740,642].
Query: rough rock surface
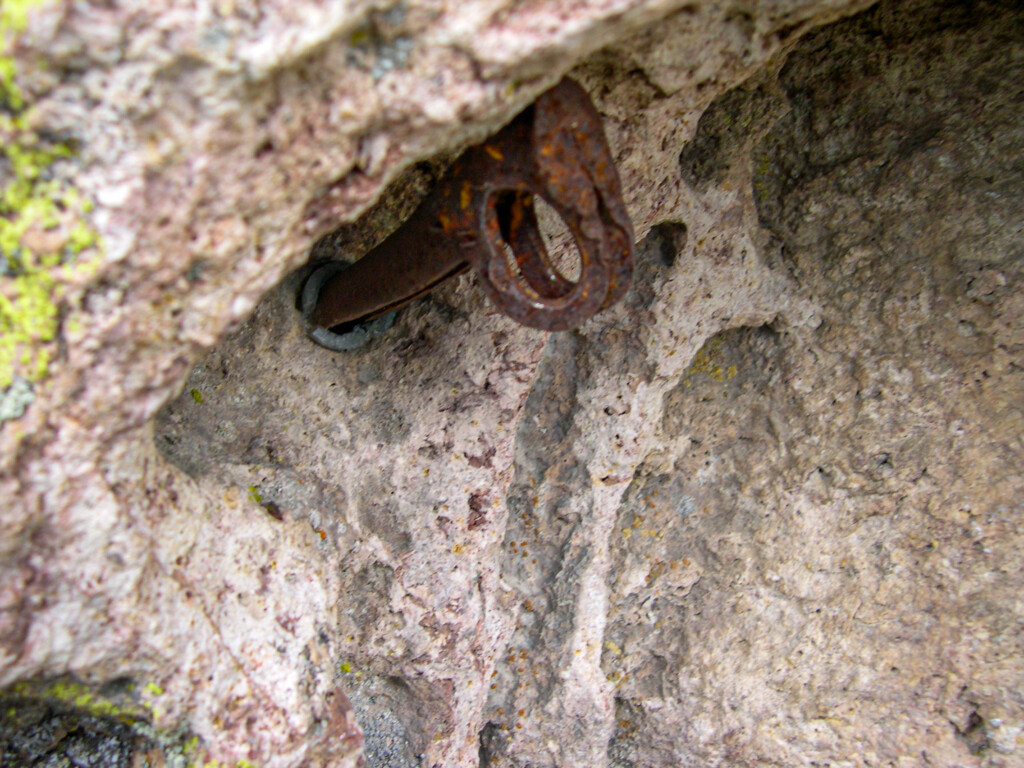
[764,512]
[35,732]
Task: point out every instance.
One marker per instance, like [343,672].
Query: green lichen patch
[79,696]
[44,230]
[110,726]
[13,19]
[47,732]
[708,362]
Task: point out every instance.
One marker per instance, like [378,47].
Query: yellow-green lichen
[79,696]
[42,223]
[707,362]
[179,747]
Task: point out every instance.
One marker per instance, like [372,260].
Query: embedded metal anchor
[556,150]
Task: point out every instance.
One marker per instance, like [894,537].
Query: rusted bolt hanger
[554,149]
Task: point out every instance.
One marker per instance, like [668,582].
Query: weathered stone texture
[764,512]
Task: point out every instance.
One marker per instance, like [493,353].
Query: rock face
[766,511]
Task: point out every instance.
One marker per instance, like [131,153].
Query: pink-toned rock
[765,511]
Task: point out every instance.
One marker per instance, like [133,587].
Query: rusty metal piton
[483,214]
